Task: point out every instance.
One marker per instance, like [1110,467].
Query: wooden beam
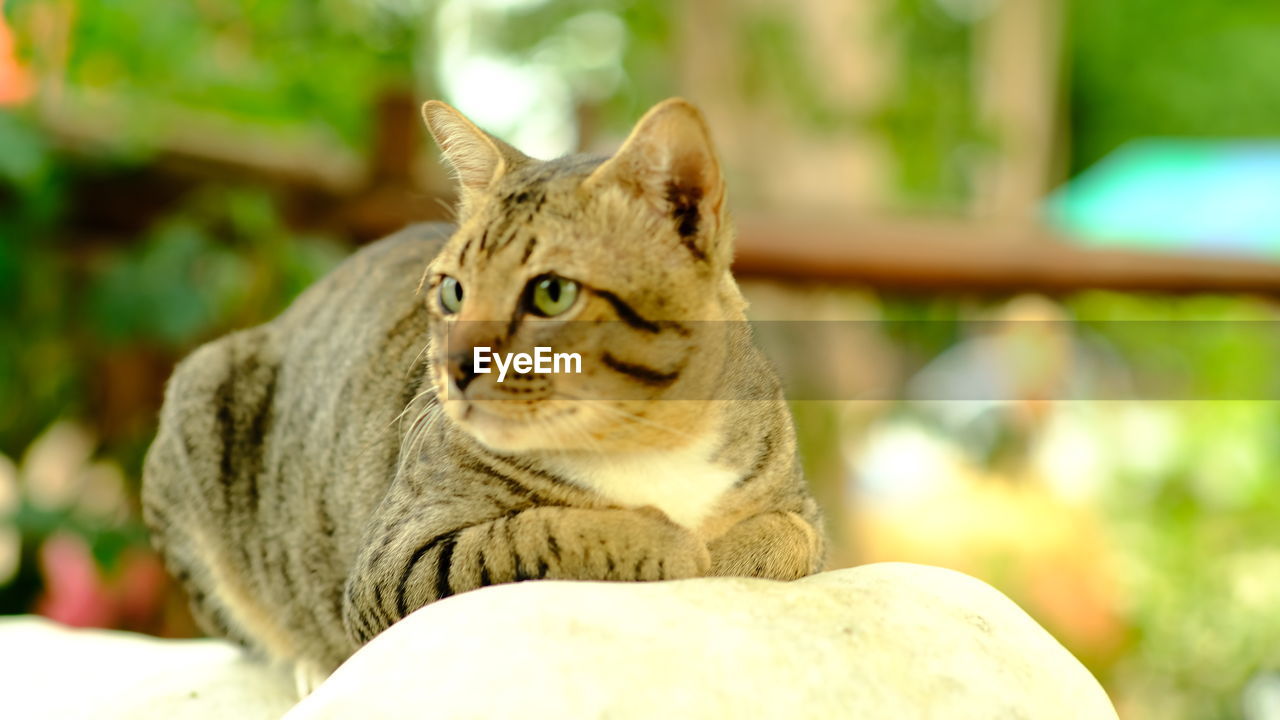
[98,122]
[963,256]
[922,255]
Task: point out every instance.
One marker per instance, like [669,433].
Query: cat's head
[623,261]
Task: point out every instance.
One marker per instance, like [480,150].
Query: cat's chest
[682,483]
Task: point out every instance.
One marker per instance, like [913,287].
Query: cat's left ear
[668,160]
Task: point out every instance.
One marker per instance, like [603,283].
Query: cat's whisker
[422,425]
[416,358]
[398,418]
[424,393]
[450,211]
[434,421]
[369,445]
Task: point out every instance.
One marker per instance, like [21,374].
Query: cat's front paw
[676,552]
[625,544]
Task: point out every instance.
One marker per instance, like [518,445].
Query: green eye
[450,295]
[551,295]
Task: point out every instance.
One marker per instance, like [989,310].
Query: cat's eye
[450,295]
[551,295]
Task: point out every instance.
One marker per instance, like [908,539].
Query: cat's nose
[462,369]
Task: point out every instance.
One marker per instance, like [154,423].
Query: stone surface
[48,671]
[891,641]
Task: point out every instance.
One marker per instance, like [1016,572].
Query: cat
[317,478]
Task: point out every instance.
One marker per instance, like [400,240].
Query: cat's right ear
[477,157]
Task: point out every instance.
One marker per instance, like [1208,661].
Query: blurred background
[982,201]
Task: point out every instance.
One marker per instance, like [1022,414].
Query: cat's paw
[675,552]
[686,557]
[624,544]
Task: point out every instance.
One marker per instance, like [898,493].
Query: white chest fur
[682,483]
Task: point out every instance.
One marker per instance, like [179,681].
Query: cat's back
[345,347]
[273,442]
[350,353]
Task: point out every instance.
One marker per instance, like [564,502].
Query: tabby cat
[319,477]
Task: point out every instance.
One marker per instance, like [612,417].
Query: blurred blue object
[1220,197]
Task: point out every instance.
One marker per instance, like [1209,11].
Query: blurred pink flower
[75,593]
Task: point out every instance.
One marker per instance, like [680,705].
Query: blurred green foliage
[930,119]
[1200,541]
[272,63]
[33,286]
[1194,68]
[221,259]
[777,69]
[1193,504]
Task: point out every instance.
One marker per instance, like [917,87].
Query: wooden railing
[967,256]
[328,189]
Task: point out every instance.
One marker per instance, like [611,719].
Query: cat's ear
[669,161]
[477,157]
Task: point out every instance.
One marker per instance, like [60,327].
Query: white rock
[880,641]
[48,671]
[891,641]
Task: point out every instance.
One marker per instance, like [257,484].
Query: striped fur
[317,478]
